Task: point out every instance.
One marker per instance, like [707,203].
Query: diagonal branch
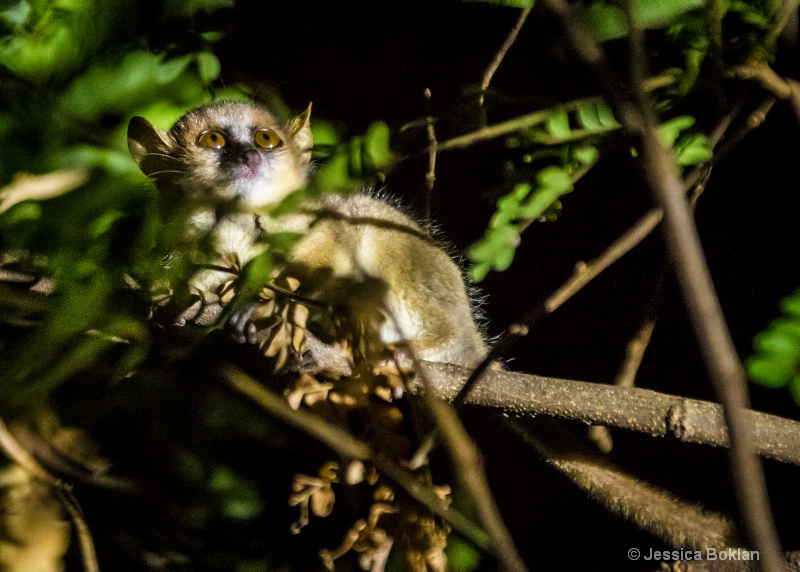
[682,524]
[725,370]
[17,453]
[501,53]
[348,446]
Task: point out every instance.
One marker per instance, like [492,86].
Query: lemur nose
[251,158]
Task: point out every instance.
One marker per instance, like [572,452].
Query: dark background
[372,61]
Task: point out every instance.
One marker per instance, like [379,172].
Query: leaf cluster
[776,358]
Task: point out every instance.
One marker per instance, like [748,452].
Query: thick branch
[641,410]
[680,523]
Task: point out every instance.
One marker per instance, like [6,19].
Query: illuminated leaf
[558,125]
[376,145]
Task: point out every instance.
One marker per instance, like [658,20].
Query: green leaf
[493,240]
[539,202]
[16,16]
[794,388]
[791,306]
[651,14]
[461,556]
[282,242]
[586,156]
[104,222]
[239,496]
[588,117]
[606,115]
[208,66]
[170,69]
[324,133]
[355,164]
[504,257]
[767,373]
[608,22]
[494,251]
[555,178]
[140,79]
[376,146]
[558,125]
[693,149]
[787,327]
[478,272]
[24,211]
[508,205]
[671,130]
[56,37]
[776,360]
[257,273]
[778,345]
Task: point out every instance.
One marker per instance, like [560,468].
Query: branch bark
[641,410]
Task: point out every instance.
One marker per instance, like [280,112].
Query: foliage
[776,361]
[568,135]
[72,73]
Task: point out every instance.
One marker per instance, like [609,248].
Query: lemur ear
[147,145]
[299,130]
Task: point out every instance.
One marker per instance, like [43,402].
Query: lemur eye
[267,139]
[211,139]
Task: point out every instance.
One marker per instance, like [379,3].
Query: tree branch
[681,524]
[726,372]
[348,446]
[501,53]
[17,453]
[470,471]
[640,410]
[785,89]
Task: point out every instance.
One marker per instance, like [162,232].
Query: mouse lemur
[240,154]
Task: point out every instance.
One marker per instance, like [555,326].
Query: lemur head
[228,151]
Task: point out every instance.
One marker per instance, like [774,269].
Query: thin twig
[754,120]
[715,12]
[501,53]
[430,176]
[724,367]
[17,453]
[635,350]
[634,354]
[726,371]
[538,117]
[467,460]
[85,540]
[780,20]
[785,89]
[470,471]
[346,445]
[465,457]
[40,187]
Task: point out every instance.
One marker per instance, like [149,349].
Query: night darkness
[360,63]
